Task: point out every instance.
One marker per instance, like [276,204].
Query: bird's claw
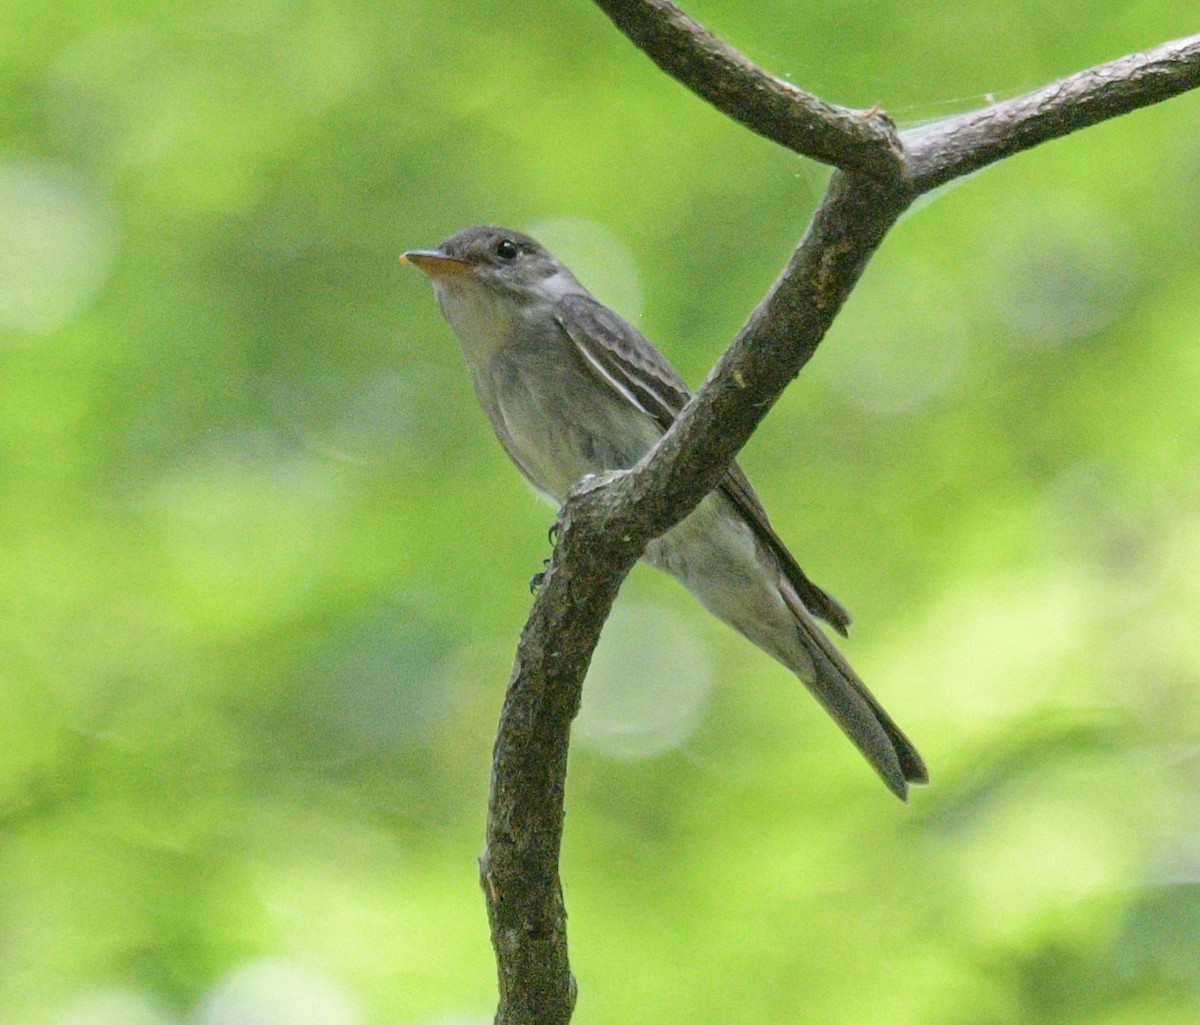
[538,579]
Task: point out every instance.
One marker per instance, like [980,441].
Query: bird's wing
[626,360]
[818,601]
[629,363]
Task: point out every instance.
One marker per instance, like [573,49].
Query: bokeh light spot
[57,243]
[1065,278]
[649,684]
[277,992]
[114,1007]
[598,258]
[894,353]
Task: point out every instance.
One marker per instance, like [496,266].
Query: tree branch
[776,342]
[519,865]
[606,522]
[854,140]
[937,153]
[605,525]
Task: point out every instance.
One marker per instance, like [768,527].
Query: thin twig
[947,149]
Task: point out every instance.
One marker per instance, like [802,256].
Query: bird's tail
[854,708]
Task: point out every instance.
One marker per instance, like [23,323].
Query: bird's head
[500,261]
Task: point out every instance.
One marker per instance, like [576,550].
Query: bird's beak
[435,263]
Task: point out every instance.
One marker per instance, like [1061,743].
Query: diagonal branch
[854,140]
[947,149]
[776,342]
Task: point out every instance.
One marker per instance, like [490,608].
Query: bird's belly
[559,428]
[714,554]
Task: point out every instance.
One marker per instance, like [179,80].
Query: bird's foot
[538,579]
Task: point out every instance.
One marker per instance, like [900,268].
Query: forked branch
[606,524]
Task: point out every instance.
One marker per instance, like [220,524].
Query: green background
[262,567]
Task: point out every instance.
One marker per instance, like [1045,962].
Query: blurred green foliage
[263,568]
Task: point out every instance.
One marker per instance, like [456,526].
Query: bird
[570,389]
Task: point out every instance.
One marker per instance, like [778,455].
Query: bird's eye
[506,249]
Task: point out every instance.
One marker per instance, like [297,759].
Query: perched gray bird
[572,389]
